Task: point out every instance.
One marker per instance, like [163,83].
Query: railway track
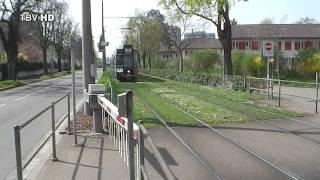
[287,173]
[223,99]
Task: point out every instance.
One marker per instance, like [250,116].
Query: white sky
[251,12]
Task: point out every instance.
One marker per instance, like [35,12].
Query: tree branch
[197,14]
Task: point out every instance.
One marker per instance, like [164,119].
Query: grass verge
[10,84]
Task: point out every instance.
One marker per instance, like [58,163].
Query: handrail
[17,135]
[288,81]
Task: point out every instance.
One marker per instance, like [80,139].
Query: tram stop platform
[94,158]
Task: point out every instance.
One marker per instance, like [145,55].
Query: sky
[250,12]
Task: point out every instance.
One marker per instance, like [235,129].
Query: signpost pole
[268,52]
[268,74]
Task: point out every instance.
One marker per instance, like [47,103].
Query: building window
[233,45]
[170,55]
[308,44]
[279,45]
[319,44]
[242,45]
[296,45]
[247,45]
[254,45]
[287,45]
[236,45]
[163,56]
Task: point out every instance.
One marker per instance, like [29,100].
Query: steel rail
[193,152]
[164,166]
[278,167]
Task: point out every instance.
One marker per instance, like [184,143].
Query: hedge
[214,80]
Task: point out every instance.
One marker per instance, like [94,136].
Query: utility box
[93,91]
[93,70]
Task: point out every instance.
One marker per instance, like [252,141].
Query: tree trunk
[149,61]
[45,60]
[12,62]
[144,59]
[59,61]
[227,50]
[225,39]
[139,60]
[12,50]
[181,62]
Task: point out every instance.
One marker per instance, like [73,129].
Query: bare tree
[10,19]
[175,37]
[62,28]
[44,33]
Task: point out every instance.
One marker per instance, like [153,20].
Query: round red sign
[268,46]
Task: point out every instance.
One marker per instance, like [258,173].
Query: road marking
[1,105]
[20,98]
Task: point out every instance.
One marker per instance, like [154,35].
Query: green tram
[126,63]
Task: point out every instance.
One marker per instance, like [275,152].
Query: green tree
[149,31]
[214,11]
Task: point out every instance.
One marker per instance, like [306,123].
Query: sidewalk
[95,158]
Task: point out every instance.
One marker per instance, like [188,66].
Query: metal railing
[128,137]
[52,135]
[267,86]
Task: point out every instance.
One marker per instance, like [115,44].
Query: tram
[126,63]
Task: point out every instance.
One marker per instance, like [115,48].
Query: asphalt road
[20,104]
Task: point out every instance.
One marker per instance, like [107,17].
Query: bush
[203,61]
[308,62]
[247,64]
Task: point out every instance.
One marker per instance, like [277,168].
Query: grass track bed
[211,104]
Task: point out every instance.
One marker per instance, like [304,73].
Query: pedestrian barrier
[275,86]
[129,137]
[52,135]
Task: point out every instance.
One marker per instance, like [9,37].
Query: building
[191,45]
[191,42]
[288,39]
[199,34]
[168,47]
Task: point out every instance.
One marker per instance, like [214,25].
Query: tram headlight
[128,71]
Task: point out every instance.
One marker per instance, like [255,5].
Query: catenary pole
[86,49]
[104,63]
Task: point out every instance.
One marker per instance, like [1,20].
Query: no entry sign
[268,48]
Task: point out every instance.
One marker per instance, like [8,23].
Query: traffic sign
[268,48]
